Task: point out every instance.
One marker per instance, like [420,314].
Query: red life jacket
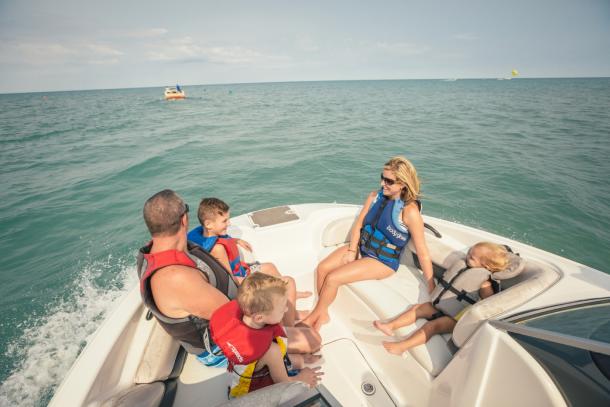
[239,268]
[244,346]
[156,261]
[190,329]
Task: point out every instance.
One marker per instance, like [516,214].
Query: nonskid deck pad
[273,216]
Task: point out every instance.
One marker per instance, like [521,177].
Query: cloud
[147,33]
[53,53]
[466,37]
[187,50]
[103,50]
[401,48]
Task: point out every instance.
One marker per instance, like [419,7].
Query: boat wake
[50,344]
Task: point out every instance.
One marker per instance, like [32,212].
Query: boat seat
[158,358]
[144,395]
[155,379]
[532,281]
[391,296]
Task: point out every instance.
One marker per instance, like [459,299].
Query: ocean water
[526,158]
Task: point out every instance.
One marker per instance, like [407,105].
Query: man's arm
[179,291]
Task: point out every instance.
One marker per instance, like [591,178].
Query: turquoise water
[527,158]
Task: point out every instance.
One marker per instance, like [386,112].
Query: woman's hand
[348,257]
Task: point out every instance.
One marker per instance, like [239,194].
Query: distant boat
[513,74]
[174,93]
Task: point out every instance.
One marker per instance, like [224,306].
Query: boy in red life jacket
[212,235]
[249,333]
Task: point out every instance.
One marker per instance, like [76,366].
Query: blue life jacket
[196,236]
[238,267]
[384,235]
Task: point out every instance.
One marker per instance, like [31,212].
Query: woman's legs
[440,325]
[358,270]
[291,292]
[330,263]
[302,340]
[425,310]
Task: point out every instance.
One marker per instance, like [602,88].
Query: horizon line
[305,81]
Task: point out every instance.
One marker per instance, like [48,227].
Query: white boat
[174,93]
[507,350]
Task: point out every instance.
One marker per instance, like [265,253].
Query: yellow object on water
[515,72]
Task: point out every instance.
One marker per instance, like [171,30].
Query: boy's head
[493,257]
[213,215]
[263,298]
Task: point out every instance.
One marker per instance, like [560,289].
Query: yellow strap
[244,379]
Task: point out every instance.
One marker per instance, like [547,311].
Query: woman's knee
[334,279]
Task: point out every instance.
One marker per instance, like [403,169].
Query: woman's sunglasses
[387,181]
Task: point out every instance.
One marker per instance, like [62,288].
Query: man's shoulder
[179,274]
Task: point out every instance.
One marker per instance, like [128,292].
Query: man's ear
[185,220]
[206,224]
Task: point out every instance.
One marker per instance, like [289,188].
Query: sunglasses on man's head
[387,181]
[186,210]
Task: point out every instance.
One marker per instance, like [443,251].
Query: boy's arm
[275,363]
[219,252]
[244,244]
[486,290]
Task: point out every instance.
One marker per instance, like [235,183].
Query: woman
[389,218]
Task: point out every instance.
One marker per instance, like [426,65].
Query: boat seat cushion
[390,297]
[337,232]
[533,280]
[141,395]
[159,356]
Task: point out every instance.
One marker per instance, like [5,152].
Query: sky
[82,44]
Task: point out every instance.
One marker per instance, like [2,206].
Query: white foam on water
[50,345]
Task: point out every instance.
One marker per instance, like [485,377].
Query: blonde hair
[255,294]
[406,174]
[494,257]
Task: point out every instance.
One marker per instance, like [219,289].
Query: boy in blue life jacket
[212,236]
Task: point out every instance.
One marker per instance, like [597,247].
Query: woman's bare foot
[303,294]
[395,348]
[316,321]
[302,314]
[383,327]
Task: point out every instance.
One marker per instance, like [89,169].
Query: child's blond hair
[256,293]
[494,257]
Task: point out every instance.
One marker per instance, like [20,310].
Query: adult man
[184,287]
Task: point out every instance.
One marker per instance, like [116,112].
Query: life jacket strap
[448,286]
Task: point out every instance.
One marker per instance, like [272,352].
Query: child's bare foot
[383,327]
[394,348]
[311,358]
[303,294]
[299,360]
[302,314]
